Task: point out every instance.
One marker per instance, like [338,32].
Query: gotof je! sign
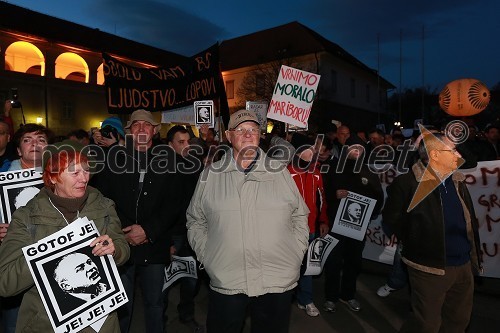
[77,288]
[293,96]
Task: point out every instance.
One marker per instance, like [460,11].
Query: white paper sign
[77,288]
[183,115]
[293,96]
[260,109]
[17,188]
[353,215]
[318,252]
[204,113]
[178,268]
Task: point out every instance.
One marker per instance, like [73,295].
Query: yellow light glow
[100,124]
[270,126]
[39,120]
[71,65]
[25,57]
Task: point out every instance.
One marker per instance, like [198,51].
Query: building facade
[348,91]
[56,67]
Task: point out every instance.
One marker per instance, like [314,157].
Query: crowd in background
[152,207]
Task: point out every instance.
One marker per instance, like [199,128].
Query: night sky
[461,37]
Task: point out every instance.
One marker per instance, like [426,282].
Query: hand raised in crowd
[135,235]
[204,131]
[173,251]
[7,108]
[341,193]
[3,230]
[103,141]
[103,245]
[323,229]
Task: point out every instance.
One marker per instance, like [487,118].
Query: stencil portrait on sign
[317,249]
[77,278]
[17,188]
[354,212]
[76,287]
[19,196]
[353,215]
[317,254]
[204,113]
[179,267]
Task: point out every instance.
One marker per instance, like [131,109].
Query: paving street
[377,314]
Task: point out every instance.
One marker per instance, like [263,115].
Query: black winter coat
[421,230]
[155,206]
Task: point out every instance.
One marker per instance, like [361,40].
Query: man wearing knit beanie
[111,132]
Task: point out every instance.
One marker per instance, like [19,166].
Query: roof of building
[18,19]
[286,41]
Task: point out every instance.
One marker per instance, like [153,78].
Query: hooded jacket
[310,185]
[248,230]
[421,230]
[37,220]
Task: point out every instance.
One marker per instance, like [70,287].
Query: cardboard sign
[353,215]
[204,113]
[184,115]
[260,109]
[77,288]
[17,188]
[318,252]
[293,96]
[178,268]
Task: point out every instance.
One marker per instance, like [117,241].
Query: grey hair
[423,150]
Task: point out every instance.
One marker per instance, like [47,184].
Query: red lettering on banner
[169,73]
[470,179]
[485,172]
[489,220]
[203,62]
[298,76]
[485,250]
[277,107]
[378,237]
[490,202]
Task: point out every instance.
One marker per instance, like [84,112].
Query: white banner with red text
[483,183]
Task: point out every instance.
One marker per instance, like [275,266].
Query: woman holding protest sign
[64,199]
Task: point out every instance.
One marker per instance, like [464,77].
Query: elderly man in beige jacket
[247,223]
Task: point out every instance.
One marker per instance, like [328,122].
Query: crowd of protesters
[246,204]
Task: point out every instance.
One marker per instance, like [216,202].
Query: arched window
[24,57]
[100,75]
[71,66]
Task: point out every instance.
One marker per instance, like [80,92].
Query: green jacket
[37,220]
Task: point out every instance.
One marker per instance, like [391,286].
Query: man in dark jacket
[137,178]
[431,212]
[347,174]
[189,168]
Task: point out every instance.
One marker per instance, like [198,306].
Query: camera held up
[107,130]
[15,99]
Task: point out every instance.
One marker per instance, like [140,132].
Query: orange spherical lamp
[464,97]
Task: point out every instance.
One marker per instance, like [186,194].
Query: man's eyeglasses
[453,150]
[241,131]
